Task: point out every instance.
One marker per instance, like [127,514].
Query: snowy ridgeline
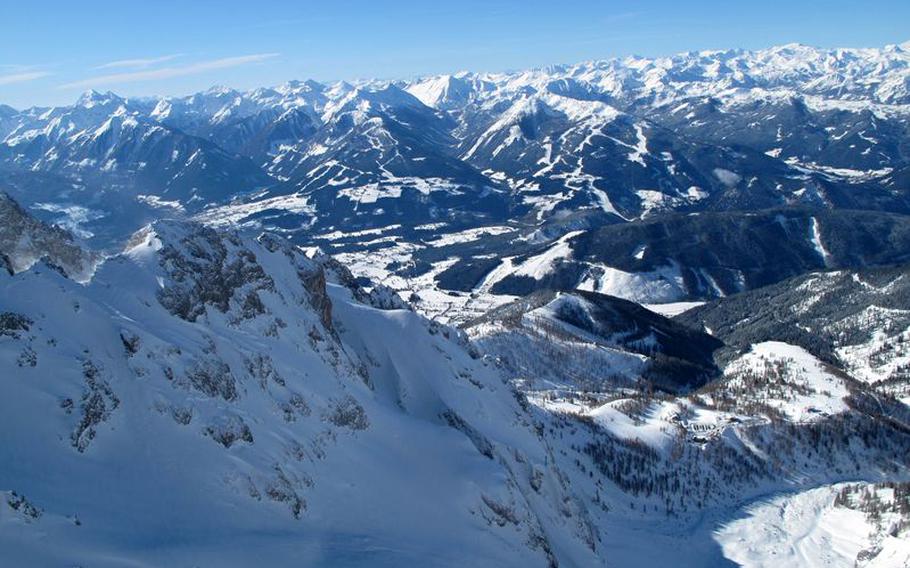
[621,139]
[211,398]
[206,398]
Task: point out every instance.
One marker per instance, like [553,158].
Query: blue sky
[52,51]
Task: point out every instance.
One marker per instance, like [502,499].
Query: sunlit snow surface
[807,530]
[672,308]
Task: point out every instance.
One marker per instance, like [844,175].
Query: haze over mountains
[593,314]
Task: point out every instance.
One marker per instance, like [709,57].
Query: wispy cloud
[22,77]
[138,63]
[168,72]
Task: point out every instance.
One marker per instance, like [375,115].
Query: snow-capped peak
[92,98]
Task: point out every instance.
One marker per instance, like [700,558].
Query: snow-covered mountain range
[629,137]
[384,168]
[615,313]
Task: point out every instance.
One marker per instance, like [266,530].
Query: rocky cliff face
[24,240]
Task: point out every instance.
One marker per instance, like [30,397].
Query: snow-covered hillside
[211,399]
[602,344]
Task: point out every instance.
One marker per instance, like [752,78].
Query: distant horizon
[175,48]
[101,90]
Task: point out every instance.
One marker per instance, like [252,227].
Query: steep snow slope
[208,398]
[203,390]
[211,399]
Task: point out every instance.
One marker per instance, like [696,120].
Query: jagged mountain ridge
[217,398]
[790,125]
